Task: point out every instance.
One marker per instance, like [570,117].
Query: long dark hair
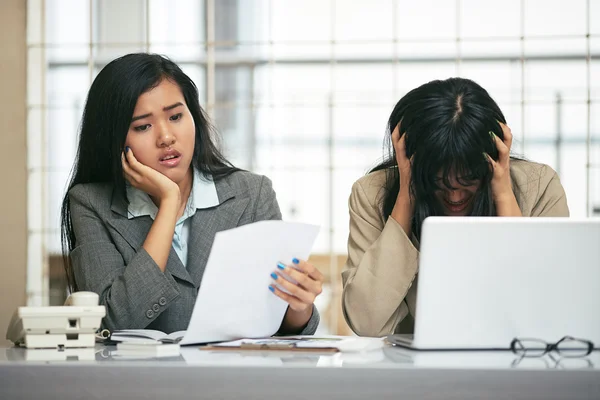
[447,124]
[106,119]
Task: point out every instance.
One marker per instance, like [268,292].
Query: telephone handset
[81,299]
[71,325]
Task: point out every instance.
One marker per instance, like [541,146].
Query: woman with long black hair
[449,156]
[149,190]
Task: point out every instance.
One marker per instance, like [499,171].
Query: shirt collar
[203,195]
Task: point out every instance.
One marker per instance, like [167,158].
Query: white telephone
[72,325]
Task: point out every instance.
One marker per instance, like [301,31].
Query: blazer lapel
[207,222]
[134,232]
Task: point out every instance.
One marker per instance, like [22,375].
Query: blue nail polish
[126,149]
[272,289]
[280,266]
[274,275]
[295,261]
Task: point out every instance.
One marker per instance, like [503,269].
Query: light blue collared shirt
[202,195]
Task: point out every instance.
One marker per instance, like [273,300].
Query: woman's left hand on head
[501,182]
[302,294]
[502,191]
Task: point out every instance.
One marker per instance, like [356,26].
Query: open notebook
[145,335]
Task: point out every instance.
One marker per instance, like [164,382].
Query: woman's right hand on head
[404,208]
[149,180]
[404,163]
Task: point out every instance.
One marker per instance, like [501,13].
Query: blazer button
[162,301]
[149,313]
[155,308]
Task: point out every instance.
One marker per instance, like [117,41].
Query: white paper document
[234,300]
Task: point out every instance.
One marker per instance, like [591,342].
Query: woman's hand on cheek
[147,179]
[298,285]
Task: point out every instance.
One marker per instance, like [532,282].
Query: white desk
[389,373]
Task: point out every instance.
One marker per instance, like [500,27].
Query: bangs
[466,170]
[454,161]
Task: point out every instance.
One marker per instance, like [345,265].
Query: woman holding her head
[148,191]
[449,156]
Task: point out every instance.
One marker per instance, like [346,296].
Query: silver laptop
[484,281]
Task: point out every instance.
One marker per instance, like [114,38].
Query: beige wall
[13,162]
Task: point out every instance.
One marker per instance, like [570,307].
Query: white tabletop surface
[384,373]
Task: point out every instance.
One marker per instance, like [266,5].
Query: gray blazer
[109,259]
